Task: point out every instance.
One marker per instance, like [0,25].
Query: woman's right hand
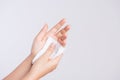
[43,65]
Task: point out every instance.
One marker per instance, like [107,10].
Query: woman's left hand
[42,36]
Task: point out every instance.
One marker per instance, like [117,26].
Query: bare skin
[28,71]
[43,65]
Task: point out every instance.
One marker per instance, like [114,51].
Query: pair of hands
[44,64]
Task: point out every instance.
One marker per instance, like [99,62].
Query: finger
[63,31]
[63,43]
[43,31]
[57,59]
[45,39]
[50,50]
[63,37]
[58,26]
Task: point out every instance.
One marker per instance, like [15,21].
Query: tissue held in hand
[58,50]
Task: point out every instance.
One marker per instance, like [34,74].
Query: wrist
[30,58]
[32,55]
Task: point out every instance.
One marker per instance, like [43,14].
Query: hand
[42,36]
[43,65]
[39,40]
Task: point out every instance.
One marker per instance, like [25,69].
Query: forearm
[31,77]
[21,70]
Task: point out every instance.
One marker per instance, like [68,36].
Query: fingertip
[67,28]
[46,26]
[64,19]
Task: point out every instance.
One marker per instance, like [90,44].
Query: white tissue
[58,50]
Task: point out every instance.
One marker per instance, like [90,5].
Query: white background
[93,50]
